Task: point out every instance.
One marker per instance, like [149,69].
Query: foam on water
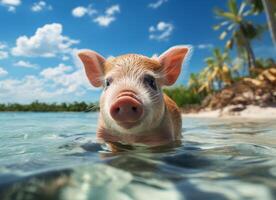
[53,156]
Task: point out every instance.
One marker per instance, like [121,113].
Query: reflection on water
[52,156]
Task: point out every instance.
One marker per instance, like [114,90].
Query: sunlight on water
[52,156]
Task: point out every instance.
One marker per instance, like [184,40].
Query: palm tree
[206,81]
[269,6]
[270,10]
[194,82]
[217,72]
[242,31]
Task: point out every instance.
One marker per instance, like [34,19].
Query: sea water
[54,156]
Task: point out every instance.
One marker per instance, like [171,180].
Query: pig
[133,109]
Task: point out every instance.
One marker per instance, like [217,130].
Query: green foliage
[256,6]
[184,96]
[53,107]
[217,72]
[239,31]
[266,62]
[237,28]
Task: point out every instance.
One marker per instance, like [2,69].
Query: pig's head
[132,100]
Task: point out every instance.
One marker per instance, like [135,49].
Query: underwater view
[54,156]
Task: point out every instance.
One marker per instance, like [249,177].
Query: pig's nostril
[126,110]
[134,109]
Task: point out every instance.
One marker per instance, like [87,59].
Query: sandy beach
[250,112]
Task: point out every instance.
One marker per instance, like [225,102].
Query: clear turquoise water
[52,156]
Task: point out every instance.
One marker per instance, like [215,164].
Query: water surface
[53,156]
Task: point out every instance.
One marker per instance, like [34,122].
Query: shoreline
[250,111]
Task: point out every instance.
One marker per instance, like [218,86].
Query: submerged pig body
[133,109]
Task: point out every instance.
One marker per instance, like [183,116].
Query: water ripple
[54,156]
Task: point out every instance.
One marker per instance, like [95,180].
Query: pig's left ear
[171,61]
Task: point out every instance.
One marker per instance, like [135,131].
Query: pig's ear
[171,61]
[93,64]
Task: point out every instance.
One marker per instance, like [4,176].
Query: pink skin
[127,109]
[132,110]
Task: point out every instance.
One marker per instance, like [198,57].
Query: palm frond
[232,5]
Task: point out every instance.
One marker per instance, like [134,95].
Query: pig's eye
[150,81]
[107,82]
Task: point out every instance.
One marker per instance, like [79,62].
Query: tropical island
[231,86]
[234,78]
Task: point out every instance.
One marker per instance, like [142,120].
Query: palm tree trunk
[250,54]
[270,7]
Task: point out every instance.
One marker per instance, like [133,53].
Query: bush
[53,107]
[184,96]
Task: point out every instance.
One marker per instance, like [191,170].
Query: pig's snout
[127,109]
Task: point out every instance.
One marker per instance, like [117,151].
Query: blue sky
[39,40]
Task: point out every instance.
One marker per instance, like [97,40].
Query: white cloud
[81,11]
[162,31]
[40,5]
[205,46]
[112,10]
[55,71]
[53,84]
[3,55]
[25,64]
[65,77]
[47,41]
[3,72]
[64,58]
[157,4]
[108,17]
[75,58]
[10,4]
[104,20]
[3,45]
[60,83]
[27,89]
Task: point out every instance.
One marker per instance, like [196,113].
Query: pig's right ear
[171,61]
[93,64]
